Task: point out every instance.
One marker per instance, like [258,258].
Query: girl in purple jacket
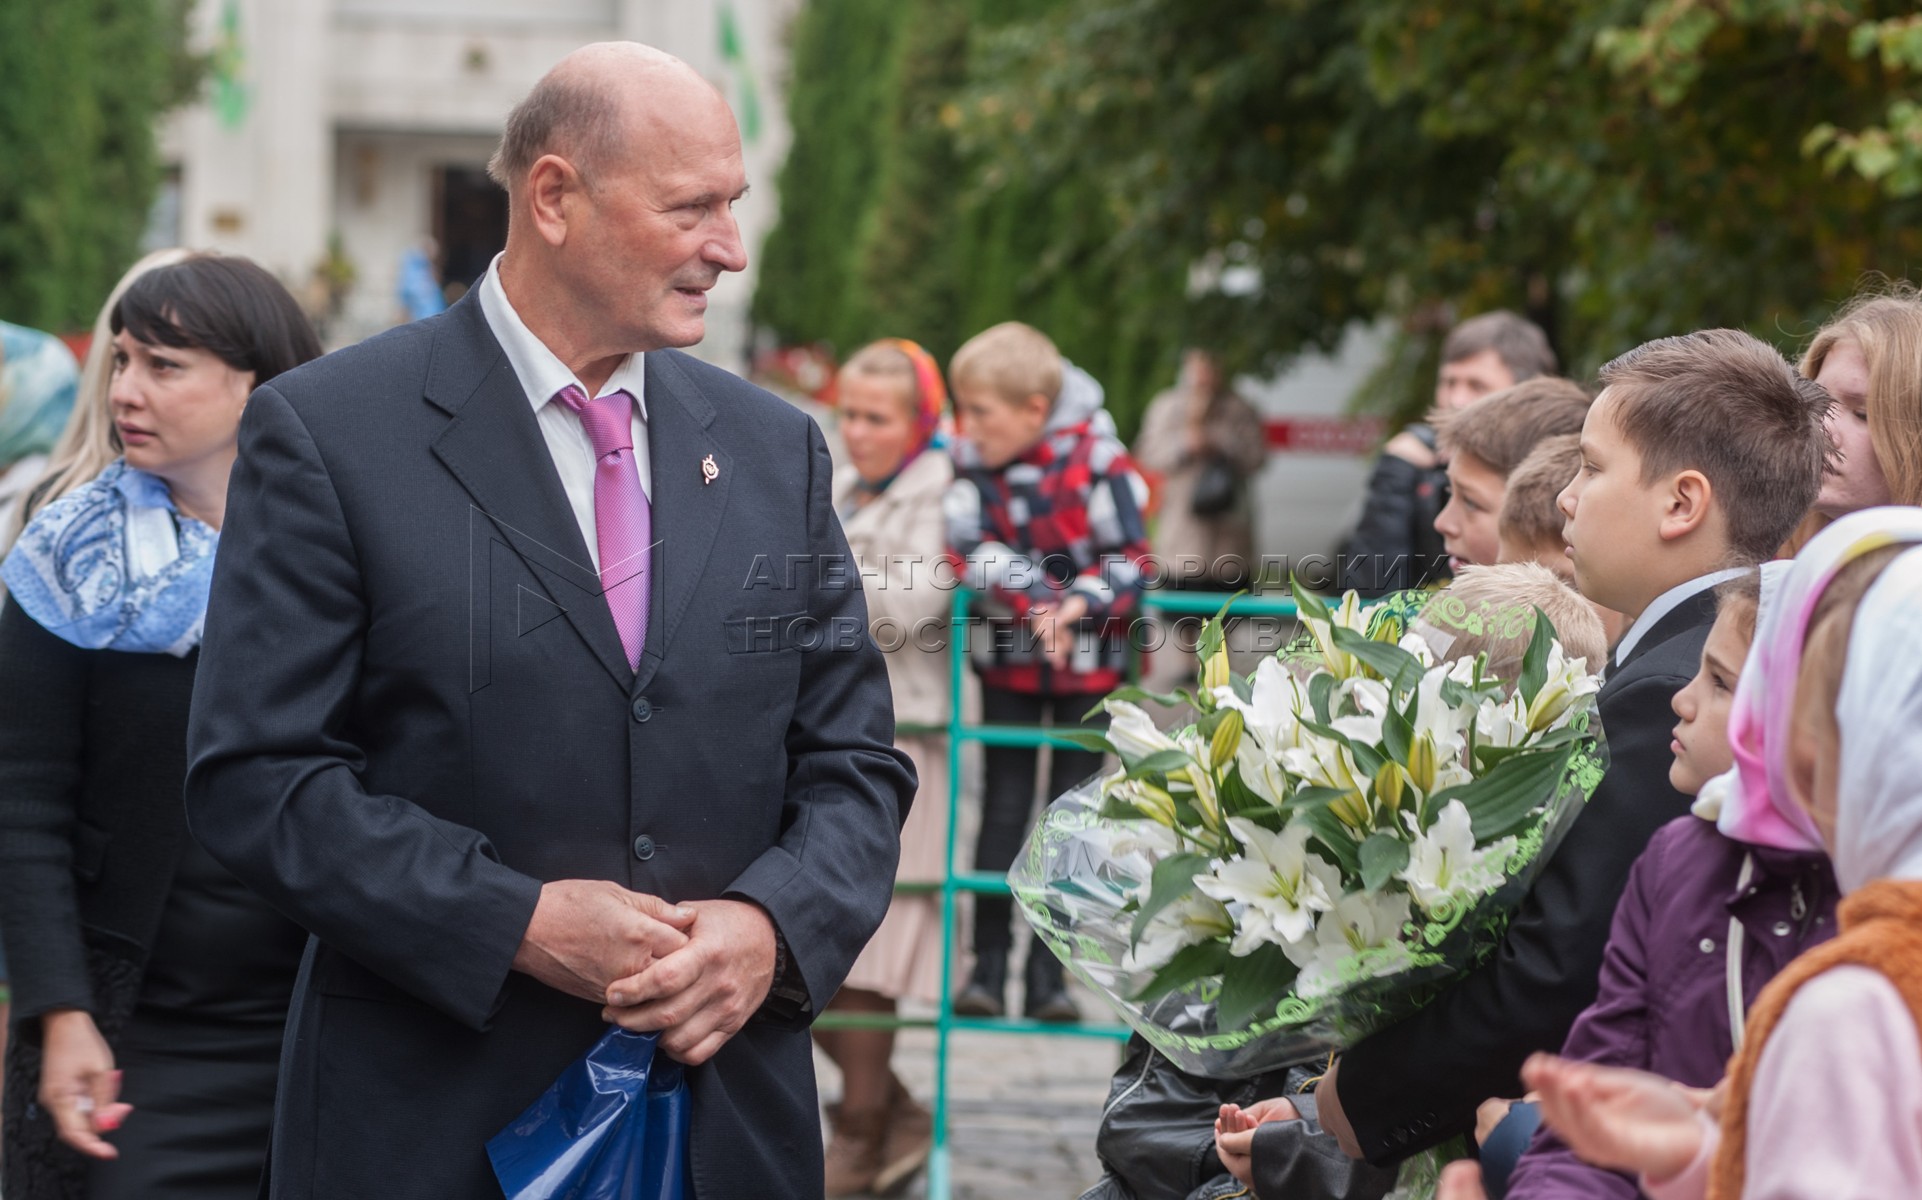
[1705,922]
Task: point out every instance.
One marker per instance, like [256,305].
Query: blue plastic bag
[614,1126]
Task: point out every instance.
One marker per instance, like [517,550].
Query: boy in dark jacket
[1045,525]
[1395,546]
[1701,452]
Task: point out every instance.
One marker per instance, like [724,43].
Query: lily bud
[1390,784]
[1422,762]
[1216,673]
[1155,803]
[1227,739]
[1351,810]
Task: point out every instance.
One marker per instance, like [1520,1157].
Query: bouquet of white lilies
[1334,838]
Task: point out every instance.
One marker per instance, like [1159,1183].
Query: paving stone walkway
[1024,1109]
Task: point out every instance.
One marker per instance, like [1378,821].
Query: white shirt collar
[541,373]
[1665,604]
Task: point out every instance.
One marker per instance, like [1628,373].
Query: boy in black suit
[1698,458]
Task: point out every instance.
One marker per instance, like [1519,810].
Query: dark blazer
[92,752]
[1418,1083]
[413,708]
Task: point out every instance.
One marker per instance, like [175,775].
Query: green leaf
[1252,986]
[1087,739]
[1501,801]
[1244,689]
[1333,836]
[1382,855]
[1189,964]
[1174,877]
[1401,669]
[1397,734]
[1134,695]
[1320,689]
[1307,604]
[1210,639]
[1535,661]
[1159,763]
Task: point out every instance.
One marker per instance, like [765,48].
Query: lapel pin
[709,472]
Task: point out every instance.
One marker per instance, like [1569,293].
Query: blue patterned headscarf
[113,565]
[38,381]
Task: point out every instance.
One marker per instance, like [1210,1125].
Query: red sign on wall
[1350,436]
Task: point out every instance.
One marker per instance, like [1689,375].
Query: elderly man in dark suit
[537,687]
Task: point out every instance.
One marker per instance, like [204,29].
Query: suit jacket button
[642,709]
[643,847]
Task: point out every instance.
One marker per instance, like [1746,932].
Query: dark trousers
[1008,800]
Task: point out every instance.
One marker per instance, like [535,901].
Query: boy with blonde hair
[1045,525]
[1490,610]
[1697,459]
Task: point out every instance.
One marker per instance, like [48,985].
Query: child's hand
[1624,1120]
[1279,1108]
[1053,626]
[1236,1151]
[1461,1181]
[1491,1113]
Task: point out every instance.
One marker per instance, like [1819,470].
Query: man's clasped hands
[695,972]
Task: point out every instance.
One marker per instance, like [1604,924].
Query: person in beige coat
[1205,443]
[1196,436]
[891,407]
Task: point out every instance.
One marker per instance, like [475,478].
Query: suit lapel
[1698,609]
[494,447]
[687,504]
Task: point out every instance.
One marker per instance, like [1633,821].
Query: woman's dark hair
[224,304]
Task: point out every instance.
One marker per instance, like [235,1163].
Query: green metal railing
[955,882]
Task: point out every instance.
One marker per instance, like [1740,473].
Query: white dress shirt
[1665,604]
[542,376]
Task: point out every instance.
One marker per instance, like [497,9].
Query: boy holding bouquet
[1045,525]
[1700,455]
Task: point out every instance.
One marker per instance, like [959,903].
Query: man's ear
[550,194]
[1688,504]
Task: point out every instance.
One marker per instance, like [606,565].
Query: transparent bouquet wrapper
[1081,872]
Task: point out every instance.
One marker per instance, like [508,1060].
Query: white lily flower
[1262,771]
[1196,779]
[1415,644]
[1273,710]
[1277,881]
[1132,731]
[1359,938]
[1364,728]
[1349,614]
[1503,723]
[1444,865]
[1189,921]
[1567,684]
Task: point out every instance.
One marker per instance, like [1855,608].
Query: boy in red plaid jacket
[1045,525]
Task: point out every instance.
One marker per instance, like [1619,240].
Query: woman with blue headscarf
[150,988]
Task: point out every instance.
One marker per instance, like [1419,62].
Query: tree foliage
[890,226]
[82,85]
[1260,174]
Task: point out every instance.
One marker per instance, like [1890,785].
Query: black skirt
[201,1052]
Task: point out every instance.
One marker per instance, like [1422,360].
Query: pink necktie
[623,524]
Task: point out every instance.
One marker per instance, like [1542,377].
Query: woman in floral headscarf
[1824,1098]
[892,408]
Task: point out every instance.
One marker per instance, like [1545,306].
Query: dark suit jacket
[413,708]
[1418,1083]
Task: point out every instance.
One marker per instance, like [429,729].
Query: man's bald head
[587,107]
